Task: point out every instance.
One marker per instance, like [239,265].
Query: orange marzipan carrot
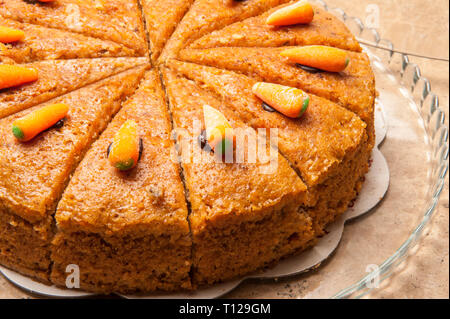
[125,148]
[13,75]
[318,56]
[8,35]
[27,127]
[218,129]
[298,13]
[287,100]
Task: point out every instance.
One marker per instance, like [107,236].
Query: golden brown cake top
[315,144]
[162,17]
[325,29]
[208,15]
[116,20]
[57,77]
[148,199]
[33,174]
[70,186]
[37,45]
[246,190]
[353,88]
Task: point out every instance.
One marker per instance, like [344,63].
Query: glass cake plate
[416,149]
[385,223]
[374,245]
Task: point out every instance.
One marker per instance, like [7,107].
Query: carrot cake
[116,20]
[325,29]
[38,46]
[133,224]
[113,116]
[57,77]
[205,16]
[353,88]
[243,216]
[326,145]
[34,174]
[161,18]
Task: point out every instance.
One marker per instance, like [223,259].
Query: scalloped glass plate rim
[384,270]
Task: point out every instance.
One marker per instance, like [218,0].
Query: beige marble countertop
[414,26]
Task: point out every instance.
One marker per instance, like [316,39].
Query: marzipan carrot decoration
[219,133]
[125,149]
[298,13]
[27,127]
[13,75]
[287,100]
[318,56]
[8,35]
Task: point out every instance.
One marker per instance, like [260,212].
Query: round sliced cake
[201,140]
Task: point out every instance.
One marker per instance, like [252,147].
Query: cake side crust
[25,247]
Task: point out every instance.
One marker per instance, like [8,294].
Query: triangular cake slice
[34,174]
[116,20]
[161,18]
[353,88]
[205,16]
[245,214]
[327,145]
[57,77]
[325,29]
[133,222]
[37,45]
